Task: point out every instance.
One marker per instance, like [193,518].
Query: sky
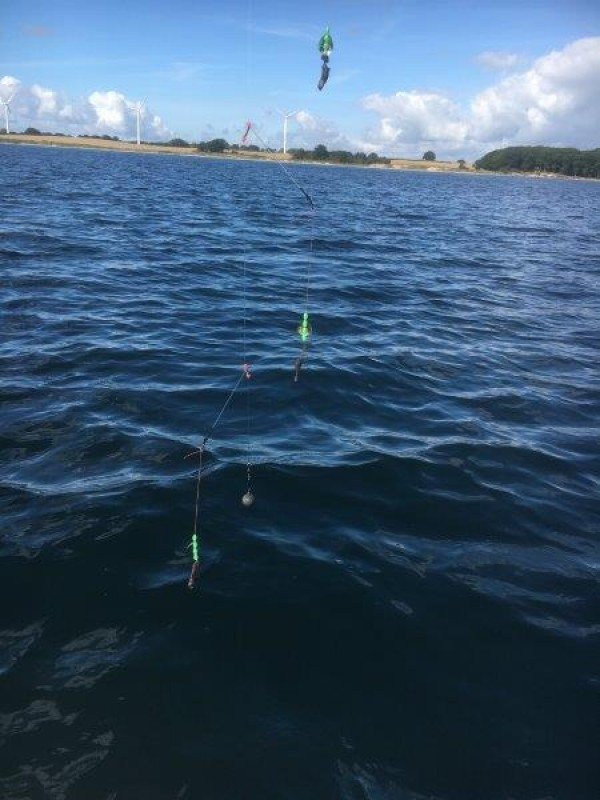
[455,76]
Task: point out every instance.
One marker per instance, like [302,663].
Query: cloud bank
[555,102]
[312,130]
[100,113]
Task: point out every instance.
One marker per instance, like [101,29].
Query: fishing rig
[304,331]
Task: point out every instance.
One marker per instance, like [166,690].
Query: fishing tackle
[304,332]
[244,139]
[195,563]
[304,329]
[248,500]
[325,48]
[200,453]
[297,367]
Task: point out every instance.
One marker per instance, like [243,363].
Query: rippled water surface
[410,610]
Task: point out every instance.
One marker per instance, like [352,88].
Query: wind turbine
[285,126]
[139,107]
[6,104]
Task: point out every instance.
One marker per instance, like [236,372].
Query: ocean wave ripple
[419,576]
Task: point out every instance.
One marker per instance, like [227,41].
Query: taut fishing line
[304,331]
[304,328]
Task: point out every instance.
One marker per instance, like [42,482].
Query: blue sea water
[410,610]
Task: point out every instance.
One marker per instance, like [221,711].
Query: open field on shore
[430,166]
[128,147]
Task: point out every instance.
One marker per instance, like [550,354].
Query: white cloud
[8,87]
[100,113]
[307,121]
[47,101]
[497,59]
[312,130]
[425,118]
[555,102]
[305,130]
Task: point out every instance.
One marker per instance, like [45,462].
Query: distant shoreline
[396,165]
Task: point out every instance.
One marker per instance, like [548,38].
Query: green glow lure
[325,48]
[304,329]
[195,563]
[304,332]
[326,42]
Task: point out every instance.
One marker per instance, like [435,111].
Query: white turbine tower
[6,104]
[139,107]
[285,126]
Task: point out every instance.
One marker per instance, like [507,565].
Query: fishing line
[304,329]
[279,163]
[248,497]
[200,452]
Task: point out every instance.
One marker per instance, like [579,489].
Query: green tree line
[560,160]
[321,153]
